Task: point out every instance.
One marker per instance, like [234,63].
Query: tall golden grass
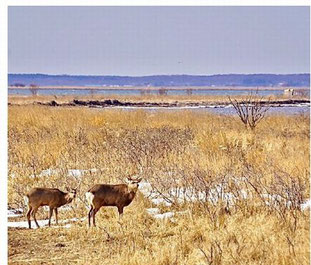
[171,149]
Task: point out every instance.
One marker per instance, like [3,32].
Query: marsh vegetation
[235,195]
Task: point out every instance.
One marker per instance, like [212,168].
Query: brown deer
[54,198]
[119,195]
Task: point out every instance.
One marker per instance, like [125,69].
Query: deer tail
[26,200]
[89,198]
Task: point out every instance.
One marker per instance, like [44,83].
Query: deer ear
[131,178]
[128,180]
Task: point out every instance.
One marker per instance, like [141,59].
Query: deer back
[112,195]
[46,196]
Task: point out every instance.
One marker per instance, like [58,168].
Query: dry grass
[173,149]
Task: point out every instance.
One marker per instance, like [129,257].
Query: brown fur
[119,195]
[54,198]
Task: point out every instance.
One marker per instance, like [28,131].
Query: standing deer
[54,198]
[119,195]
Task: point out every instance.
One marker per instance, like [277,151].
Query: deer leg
[89,215]
[120,210]
[34,211]
[95,210]
[56,216]
[50,215]
[28,215]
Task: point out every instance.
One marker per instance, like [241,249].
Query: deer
[119,195]
[54,198]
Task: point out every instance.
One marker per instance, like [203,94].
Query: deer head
[133,183]
[71,194]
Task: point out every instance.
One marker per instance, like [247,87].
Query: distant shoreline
[162,105]
[169,81]
[262,88]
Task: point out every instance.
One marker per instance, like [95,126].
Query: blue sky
[139,41]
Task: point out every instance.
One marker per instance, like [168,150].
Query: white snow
[24,224]
[306,205]
[76,173]
[44,223]
[11,213]
[191,195]
[158,201]
[48,172]
[166,215]
[213,195]
[145,188]
[153,211]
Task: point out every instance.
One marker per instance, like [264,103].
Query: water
[137,92]
[273,110]
[227,110]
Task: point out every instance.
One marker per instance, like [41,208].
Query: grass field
[265,172]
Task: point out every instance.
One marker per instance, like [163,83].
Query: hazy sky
[159,40]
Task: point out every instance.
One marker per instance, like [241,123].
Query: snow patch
[158,201]
[15,213]
[306,205]
[76,173]
[44,223]
[145,188]
[218,192]
[166,215]
[24,224]
[153,211]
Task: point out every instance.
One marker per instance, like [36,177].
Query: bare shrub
[34,89]
[162,91]
[92,92]
[142,92]
[19,85]
[144,147]
[251,110]
[189,91]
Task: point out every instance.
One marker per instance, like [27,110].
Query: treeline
[294,80]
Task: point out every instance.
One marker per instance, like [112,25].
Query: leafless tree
[34,89]
[251,110]
[18,85]
[189,91]
[162,91]
[142,91]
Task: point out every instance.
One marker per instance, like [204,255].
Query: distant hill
[294,80]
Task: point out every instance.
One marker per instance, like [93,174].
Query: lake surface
[273,110]
[228,110]
[137,92]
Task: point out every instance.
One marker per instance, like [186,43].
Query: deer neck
[132,189]
[67,199]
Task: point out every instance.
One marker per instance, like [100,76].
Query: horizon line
[148,75]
